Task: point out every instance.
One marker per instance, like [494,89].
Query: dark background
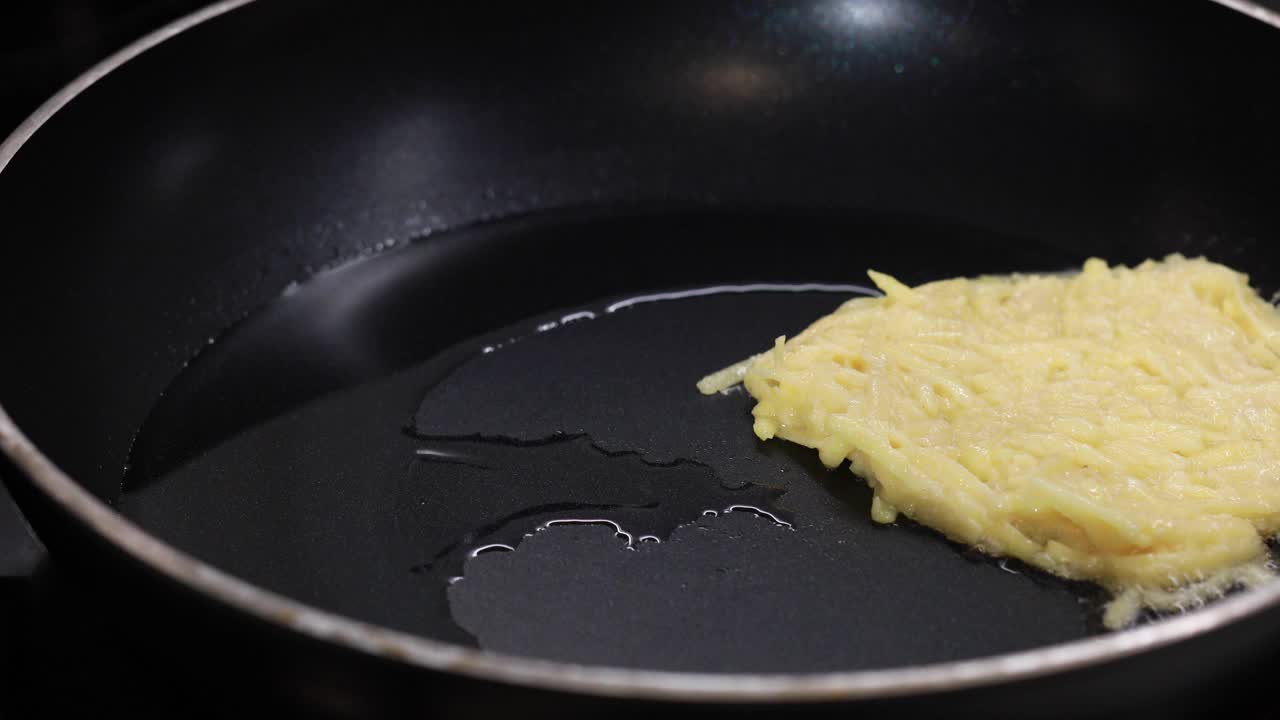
[44,45]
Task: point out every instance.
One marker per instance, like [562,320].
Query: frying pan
[312,304]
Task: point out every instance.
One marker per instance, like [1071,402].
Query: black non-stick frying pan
[364,338]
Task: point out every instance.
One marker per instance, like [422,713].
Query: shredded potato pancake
[1119,425]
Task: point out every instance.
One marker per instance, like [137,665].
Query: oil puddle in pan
[639,500]
[596,506]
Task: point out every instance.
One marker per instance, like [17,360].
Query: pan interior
[493,437]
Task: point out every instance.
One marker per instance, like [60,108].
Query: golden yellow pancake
[1119,425]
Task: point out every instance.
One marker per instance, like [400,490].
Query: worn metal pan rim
[648,684]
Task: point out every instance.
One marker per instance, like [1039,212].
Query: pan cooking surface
[558,487]
[289,451]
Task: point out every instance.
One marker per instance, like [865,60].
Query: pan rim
[435,655]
